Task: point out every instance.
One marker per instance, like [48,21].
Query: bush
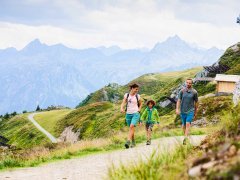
[6,116]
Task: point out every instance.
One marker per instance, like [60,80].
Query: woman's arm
[123,105]
[140,105]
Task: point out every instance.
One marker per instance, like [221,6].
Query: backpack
[136,98]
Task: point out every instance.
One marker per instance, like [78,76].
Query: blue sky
[127,23]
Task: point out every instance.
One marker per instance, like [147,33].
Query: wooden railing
[203,79]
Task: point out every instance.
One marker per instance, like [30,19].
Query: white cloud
[126,24]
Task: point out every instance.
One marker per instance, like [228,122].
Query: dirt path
[40,128]
[94,166]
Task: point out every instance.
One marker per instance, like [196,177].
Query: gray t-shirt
[188,97]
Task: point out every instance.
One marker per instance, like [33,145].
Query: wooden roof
[227,78]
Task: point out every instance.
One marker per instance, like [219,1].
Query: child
[150,116]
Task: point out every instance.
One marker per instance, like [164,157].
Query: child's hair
[152,102]
[134,85]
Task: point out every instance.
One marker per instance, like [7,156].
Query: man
[133,106]
[188,105]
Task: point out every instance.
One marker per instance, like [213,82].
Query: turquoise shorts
[132,119]
[187,117]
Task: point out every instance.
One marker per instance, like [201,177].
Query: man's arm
[178,107]
[179,102]
[196,106]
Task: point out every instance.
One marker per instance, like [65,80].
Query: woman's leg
[131,132]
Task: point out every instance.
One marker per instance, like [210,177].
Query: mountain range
[45,75]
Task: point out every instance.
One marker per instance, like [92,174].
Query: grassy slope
[155,85]
[95,120]
[49,119]
[21,132]
[231,58]
[102,119]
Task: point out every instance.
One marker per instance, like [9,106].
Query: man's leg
[184,128]
[189,119]
[183,119]
[187,129]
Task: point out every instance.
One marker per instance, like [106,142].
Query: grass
[22,133]
[35,156]
[232,60]
[157,166]
[214,106]
[94,120]
[52,152]
[173,164]
[49,119]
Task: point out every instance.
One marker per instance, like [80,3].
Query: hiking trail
[96,166]
[40,128]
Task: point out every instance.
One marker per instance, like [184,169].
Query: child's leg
[149,133]
[146,132]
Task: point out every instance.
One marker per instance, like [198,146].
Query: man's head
[134,88]
[189,83]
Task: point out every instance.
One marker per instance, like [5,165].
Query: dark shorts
[149,125]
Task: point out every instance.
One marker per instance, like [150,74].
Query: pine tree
[6,116]
[38,108]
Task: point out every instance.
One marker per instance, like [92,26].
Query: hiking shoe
[127,144]
[148,142]
[133,144]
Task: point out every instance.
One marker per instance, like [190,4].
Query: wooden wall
[227,87]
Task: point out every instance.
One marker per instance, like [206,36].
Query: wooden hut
[226,83]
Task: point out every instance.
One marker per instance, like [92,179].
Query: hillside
[49,119]
[94,121]
[99,115]
[231,58]
[156,85]
[22,133]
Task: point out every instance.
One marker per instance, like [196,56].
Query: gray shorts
[149,125]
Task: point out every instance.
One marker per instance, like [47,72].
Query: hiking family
[187,105]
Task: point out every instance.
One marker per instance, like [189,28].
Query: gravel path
[94,166]
[40,128]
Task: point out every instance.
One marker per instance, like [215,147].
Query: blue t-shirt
[188,97]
